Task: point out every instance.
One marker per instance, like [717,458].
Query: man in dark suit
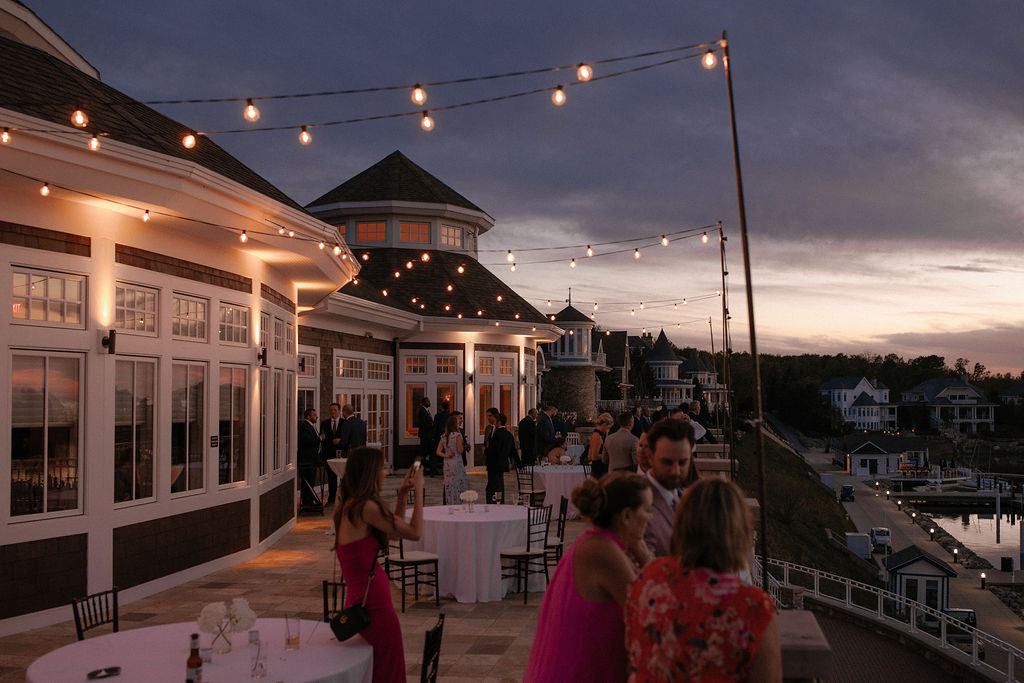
[501,449]
[308,457]
[491,416]
[425,427]
[527,433]
[330,432]
[544,439]
[433,464]
[352,432]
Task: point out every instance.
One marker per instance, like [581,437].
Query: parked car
[961,637]
[881,539]
[846,493]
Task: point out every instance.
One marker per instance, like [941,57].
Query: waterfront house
[920,576]
[863,403]
[955,402]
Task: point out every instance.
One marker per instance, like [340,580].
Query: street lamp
[887,492]
[931,533]
[983,580]
[913,517]
[956,555]
[899,505]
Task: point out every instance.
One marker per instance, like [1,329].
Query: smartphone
[416,464]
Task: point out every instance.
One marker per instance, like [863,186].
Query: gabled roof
[931,388]
[883,443]
[572,315]
[695,363]
[841,383]
[864,400]
[394,178]
[912,554]
[475,289]
[662,350]
[37,84]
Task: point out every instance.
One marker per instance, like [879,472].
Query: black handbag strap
[373,567]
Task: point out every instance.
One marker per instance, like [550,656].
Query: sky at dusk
[882,147]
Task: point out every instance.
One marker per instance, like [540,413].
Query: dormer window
[414,232]
[371,232]
[451,236]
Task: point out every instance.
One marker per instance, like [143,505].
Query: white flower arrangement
[565,459]
[218,618]
[469,496]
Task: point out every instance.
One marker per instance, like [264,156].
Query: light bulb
[291,233]
[607,333]
[384,292]
[479,313]
[517,316]
[425,257]
[497,324]
[499,297]
[459,316]
[684,302]
[321,245]
[512,268]
[590,252]
[675,307]
[251,112]
[584,72]
[243,238]
[145,216]
[704,238]
[558,97]
[636,253]
[709,60]
[337,250]
[664,241]
[366,256]
[595,306]
[427,123]
[189,141]
[5,136]
[549,303]
[643,330]
[45,190]
[447,307]
[593,317]
[510,257]
[461,269]
[679,325]
[398,273]
[408,265]
[552,318]
[304,136]
[415,299]
[280,231]
[419,95]
[641,305]
[632,311]
[572,263]
[449,288]
[571,333]
[79,119]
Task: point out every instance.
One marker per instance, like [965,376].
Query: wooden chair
[432,651]
[573,439]
[556,544]
[409,567]
[334,598]
[524,483]
[95,610]
[531,559]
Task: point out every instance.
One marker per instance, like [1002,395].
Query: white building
[955,402]
[920,576]
[665,366]
[862,402]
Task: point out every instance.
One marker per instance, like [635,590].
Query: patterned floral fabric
[693,624]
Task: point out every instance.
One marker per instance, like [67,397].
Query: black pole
[758,403]
[726,404]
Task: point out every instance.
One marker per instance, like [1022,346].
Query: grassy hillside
[799,509]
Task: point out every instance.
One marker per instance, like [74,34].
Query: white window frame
[451,236]
[204,416]
[203,322]
[239,320]
[154,314]
[154,436]
[30,272]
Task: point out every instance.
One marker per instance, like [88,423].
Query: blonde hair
[712,528]
[604,418]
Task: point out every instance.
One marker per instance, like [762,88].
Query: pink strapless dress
[384,632]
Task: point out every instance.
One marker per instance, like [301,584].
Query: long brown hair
[360,485]
[712,528]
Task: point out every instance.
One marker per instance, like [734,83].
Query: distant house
[862,402]
[613,344]
[877,453]
[665,365]
[955,402]
[1013,396]
[573,362]
[920,576]
[702,372]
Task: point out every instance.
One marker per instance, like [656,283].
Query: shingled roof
[394,178]
[422,289]
[662,350]
[37,84]
[569,314]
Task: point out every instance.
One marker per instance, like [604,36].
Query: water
[977,531]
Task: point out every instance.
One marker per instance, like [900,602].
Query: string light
[549,303]
[552,318]
[675,307]
[704,238]
[243,238]
[384,292]
[5,136]
[641,305]
[664,241]
[512,268]
[499,297]
[447,307]
[321,245]
[251,112]
[291,233]
[571,332]
[425,257]
[497,323]
[558,97]
[94,143]
[636,253]
[337,249]
[419,95]
[479,313]
[427,123]
[517,316]
[584,72]
[709,60]
[189,141]
[590,252]
[145,216]
[572,264]
[280,231]
[459,316]
[632,311]
[79,119]
[461,269]
[510,257]
[449,288]
[366,256]
[595,305]
[408,265]
[398,273]
[304,136]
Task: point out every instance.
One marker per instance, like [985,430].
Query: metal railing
[984,652]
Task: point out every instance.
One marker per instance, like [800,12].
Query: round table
[158,653]
[337,465]
[558,481]
[469,545]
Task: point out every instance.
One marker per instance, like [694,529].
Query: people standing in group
[672,469]
[637,426]
[580,627]
[364,522]
[683,416]
[498,454]
[688,616]
[527,435]
[433,465]
[596,453]
[425,431]
[544,435]
[331,447]
[450,448]
[353,430]
[693,413]
[308,457]
[561,428]
[621,445]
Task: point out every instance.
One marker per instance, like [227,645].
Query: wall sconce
[261,357]
[469,378]
[110,342]
[302,364]
[522,378]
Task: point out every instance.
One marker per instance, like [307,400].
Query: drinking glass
[258,666]
[292,625]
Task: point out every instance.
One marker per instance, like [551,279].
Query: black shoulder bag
[354,619]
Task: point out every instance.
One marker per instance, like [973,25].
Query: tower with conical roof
[573,363]
[664,365]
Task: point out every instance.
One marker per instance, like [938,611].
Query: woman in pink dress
[364,522]
[580,632]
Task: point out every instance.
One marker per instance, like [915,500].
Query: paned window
[234,324]
[416,365]
[415,232]
[134,397]
[378,370]
[278,334]
[40,296]
[370,232]
[446,365]
[286,422]
[486,401]
[135,309]
[485,365]
[188,406]
[289,338]
[505,366]
[46,410]
[231,432]
[307,365]
[350,368]
[264,329]
[505,401]
[451,236]
[188,318]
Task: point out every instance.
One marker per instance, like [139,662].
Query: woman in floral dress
[689,617]
[450,449]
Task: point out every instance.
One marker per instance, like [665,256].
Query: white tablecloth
[338,465]
[575,452]
[158,653]
[469,545]
[558,481]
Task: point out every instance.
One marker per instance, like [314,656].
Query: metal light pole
[758,401]
[726,404]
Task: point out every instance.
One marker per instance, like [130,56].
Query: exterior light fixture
[558,97]
[427,123]
[79,119]
[304,136]
[110,342]
[709,60]
[251,113]
[419,95]
[584,72]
